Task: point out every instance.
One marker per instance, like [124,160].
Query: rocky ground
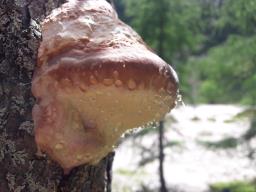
[204,144]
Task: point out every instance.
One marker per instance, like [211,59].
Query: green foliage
[211,44]
[227,72]
[174,144]
[238,15]
[235,186]
[180,20]
[247,113]
[226,143]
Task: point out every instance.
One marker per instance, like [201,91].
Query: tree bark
[21,170]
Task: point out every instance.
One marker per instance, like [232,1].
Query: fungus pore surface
[95,79]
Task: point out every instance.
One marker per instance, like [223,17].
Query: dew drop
[48,110]
[170,88]
[93,80]
[66,82]
[58,146]
[49,120]
[118,83]
[82,87]
[115,74]
[167,74]
[108,82]
[179,101]
[131,84]
[99,93]
[79,157]
[161,91]
[161,70]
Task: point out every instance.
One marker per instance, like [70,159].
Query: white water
[189,167]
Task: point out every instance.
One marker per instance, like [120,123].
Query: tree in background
[226,66]
[159,24]
[211,44]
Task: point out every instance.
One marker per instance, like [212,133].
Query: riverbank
[204,145]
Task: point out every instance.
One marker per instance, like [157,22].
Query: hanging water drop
[131,84]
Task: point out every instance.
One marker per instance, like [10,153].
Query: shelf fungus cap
[95,79]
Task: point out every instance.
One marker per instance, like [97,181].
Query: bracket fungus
[95,79]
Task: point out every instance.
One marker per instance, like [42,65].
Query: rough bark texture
[20,168]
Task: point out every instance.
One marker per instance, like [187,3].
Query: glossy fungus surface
[95,79]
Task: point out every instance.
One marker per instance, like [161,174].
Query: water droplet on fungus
[66,82]
[48,111]
[93,80]
[108,82]
[82,87]
[99,92]
[161,91]
[131,84]
[118,83]
[115,74]
[58,146]
[79,157]
[161,70]
[167,74]
[170,88]
[49,120]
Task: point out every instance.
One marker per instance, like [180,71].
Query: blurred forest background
[212,46]
[210,43]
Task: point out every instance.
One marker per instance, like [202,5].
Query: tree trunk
[161,157]
[20,168]
[160,50]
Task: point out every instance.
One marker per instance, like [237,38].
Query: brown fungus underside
[95,79]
